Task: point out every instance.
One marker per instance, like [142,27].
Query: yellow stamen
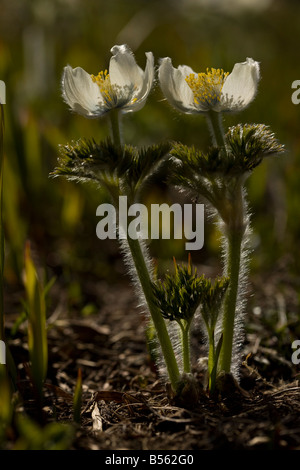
[207,86]
[114,95]
[103,82]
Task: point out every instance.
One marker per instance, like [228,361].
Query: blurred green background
[39,37]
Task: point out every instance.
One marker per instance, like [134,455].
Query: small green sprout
[211,309]
[178,298]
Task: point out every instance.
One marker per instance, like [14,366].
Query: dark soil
[125,403]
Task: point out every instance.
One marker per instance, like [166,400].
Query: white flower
[125,86]
[214,90]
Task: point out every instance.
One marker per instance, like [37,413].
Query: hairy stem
[114,116]
[234,247]
[145,280]
[234,218]
[158,321]
[215,126]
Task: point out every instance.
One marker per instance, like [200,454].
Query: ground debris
[126,405]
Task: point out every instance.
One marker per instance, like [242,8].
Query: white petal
[81,93]
[140,95]
[175,88]
[123,69]
[240,87]
[186,70]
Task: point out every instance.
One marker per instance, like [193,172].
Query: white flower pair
[126,86]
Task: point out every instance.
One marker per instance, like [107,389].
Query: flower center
[106,88]
[114,95]
[207,86]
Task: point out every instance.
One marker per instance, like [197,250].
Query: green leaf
[85,160]
[213,372]
[212,298]
[110,166]
[180,294]
[248,145]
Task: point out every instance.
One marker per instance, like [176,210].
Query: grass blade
[77,398]
[37,334]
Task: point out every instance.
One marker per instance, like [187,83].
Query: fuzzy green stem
[214,121]
[145,281]
[114,116]
[158,321]
[234,240]
[185,341]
